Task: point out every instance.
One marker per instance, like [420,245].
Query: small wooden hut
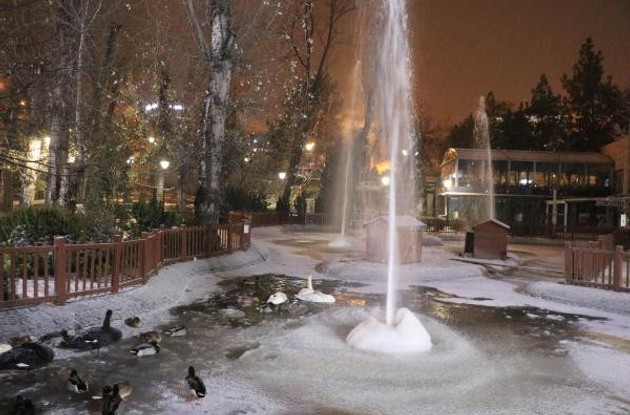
[490,240]
[410,235]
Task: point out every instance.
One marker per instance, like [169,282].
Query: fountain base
[340,243]
[406,335]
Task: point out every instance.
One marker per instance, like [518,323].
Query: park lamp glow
[282,175]
[309,146]
[385,180]
[164,164]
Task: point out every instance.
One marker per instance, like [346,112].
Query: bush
[148,215]
[243,200]
[40,226]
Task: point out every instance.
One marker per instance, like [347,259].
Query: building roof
[523,155]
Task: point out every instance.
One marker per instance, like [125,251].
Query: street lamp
[159,191]
[282,175]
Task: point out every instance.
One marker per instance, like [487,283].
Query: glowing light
[385,180]
[309,146]
[282,175]
[448,184]
[151,139]
[165,164]
[246,159]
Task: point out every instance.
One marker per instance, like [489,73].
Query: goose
[26,356]
[96,337]
[149,336]
[146,349]
[176,331]
[134,322]
[23,406]
[195,384]
[111,399]
[76,384]
[314,296]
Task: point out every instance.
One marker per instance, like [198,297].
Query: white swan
[313,296]
[277,298]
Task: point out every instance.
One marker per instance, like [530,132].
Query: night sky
[465,48]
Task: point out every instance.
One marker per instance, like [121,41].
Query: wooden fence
[56,273]
[597,264]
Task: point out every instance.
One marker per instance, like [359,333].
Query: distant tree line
[590,112]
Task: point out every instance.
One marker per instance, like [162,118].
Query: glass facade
[525,184]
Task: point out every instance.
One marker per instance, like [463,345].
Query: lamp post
[159,191]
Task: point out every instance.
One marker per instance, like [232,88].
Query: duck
[20,340]
[134,322]
[96,337]
[27,356]
[23,406]
[175,331]
[195,384]
[65,337]
[76,384]
[314,296]
[146,349]
[149,336]
[124,390]
[111,399]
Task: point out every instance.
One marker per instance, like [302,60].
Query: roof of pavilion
[523,155]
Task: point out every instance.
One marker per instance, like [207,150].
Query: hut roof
[499,223]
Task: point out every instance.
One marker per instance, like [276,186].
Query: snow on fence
[56,273]
[597,264]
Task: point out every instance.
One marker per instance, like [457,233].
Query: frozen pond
[296,361]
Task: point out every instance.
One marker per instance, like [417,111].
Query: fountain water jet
[402,331]
[482,141]
[341,242]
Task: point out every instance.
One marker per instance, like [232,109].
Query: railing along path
[59,272]
[597,264]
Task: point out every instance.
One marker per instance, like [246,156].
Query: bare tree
[218,51]
[308,94]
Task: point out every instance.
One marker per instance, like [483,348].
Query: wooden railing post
[568,261]
[618,268]
[61,270]
[247,236]
[117,265]
[229,236]
[157,248]
[183,242]
[146,263]
[209,236]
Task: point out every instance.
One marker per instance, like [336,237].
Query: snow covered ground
[293,371]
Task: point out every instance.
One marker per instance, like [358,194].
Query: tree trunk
[62,98]
[208,198]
